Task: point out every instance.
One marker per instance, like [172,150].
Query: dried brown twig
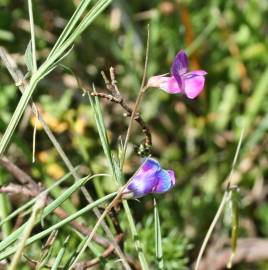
[116,97]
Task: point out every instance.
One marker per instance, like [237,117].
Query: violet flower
[150,178]
[181,80]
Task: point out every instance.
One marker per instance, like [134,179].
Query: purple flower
[181,80]
[150,178]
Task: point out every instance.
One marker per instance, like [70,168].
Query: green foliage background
[197,138]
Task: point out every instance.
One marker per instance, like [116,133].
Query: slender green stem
[58,260]
[241,137]
[158,239]
[132,118]
[30,9]
[27,231]
[211,228]
[70,25]
[4,208]
[18,113]
[142,90]
[134,232]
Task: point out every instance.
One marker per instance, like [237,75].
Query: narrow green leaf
[59,257]
[71,24]
[29,57]
[74,254]
[234,197]
[137,242]
[158,239]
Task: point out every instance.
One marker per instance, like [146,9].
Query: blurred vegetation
[196,138]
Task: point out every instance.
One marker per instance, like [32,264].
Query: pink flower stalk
[181,80]
[150,178]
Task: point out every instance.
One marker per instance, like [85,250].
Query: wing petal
[165,181]
[194,85]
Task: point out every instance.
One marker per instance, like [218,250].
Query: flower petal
[180,66]
[172,176]
[194,85]
[142,185]
[166,180]
[195,72]
[145,180]
[170,85]
[156,81]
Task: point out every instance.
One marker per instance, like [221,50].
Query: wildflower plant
[148,179]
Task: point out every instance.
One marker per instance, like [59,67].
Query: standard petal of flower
[194,85]
[180,65]
[166,180]
[170,85]
[150,166]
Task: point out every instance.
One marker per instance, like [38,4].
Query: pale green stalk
[142,90]
[134,234]
[211,228]
[70,25]
[158,239]
[58,259]
[27,231]
[4,208]
[30,9]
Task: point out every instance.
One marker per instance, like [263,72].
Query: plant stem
[143,88]
[4,207]
[134,232]
[27,231]
[211,228]
[18,113]
[30,9]
[132,118]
